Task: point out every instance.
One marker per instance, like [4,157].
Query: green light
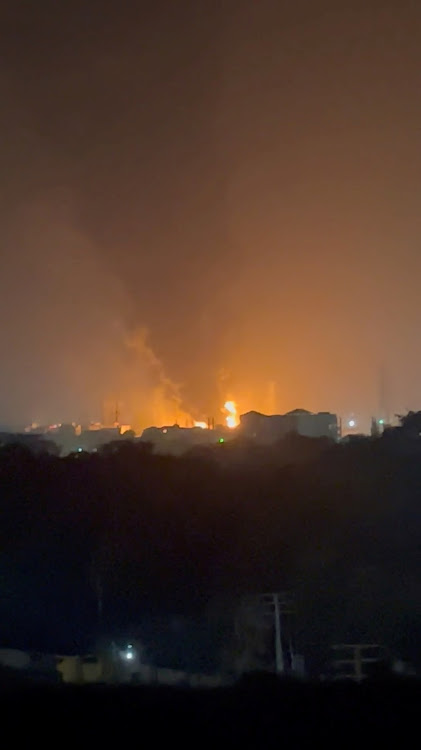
[221,440]
[381,421]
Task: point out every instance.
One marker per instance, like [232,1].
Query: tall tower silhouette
[383,396]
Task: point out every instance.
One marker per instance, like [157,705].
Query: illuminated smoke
[163,403]
[68,348]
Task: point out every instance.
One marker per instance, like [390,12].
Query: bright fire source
[202,425]
[232,418]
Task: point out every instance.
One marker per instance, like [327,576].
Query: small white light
[351,423]
[129,655]
[79,450]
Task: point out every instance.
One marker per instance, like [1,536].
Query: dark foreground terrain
[257,713]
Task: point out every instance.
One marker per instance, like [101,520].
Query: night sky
[206,200]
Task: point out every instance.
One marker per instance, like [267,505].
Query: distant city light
[79,450]
[351,423]
[128,653]
[381,421]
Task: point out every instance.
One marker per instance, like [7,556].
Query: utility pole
[99,599]
[265,627]
[279,656]
[274,607]
[351,659]
[383,396]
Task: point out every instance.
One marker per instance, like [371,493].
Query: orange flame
[232,417]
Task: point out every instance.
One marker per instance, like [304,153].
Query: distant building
[36,444]
[174,439]
[270,428]
[72,438]
[90,440]
[64,436]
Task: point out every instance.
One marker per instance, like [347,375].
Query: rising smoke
[70,349]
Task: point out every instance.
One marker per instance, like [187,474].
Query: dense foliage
[160,538]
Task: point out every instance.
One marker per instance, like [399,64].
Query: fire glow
[231,418]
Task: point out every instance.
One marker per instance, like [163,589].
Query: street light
[128,654]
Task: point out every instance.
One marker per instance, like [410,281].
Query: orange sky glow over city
[218,205]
